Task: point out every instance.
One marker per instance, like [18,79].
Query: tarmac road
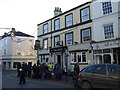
[12,82]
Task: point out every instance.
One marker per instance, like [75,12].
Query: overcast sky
[24,15]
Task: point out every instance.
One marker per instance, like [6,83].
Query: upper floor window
[57,24]
[69,20]
[69,38]
[45,28]
[85,14]
[30,52]
[107,7]
[108,31]
[45,43]
[18,52]
[86,36]
[56,40]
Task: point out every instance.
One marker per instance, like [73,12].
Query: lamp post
[37,46]
[92,49]
[66,52]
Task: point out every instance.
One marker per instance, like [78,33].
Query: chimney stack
[57,11]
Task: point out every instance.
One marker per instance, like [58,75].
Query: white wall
[99,20]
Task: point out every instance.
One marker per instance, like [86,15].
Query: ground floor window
[44,58]
[80,57]
[107,56]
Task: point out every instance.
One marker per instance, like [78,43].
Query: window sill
[73,63]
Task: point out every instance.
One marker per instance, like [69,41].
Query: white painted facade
[106,50]
[9,49]
[99,20]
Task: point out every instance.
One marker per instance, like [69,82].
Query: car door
[113,76]
[99,76]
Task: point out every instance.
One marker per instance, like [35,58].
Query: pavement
[69,80]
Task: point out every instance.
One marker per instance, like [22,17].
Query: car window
[89,69]
[82,69]
[99,69]
[113,70]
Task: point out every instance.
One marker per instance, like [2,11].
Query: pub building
[66,37]
[81,34]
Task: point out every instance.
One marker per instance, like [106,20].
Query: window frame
[66,21]
[45,30]
[58,25]
[45,44]
[93,71]
[74,56]
[81,17]
[90,36]
[18,52]
[106,9]
[110,32]
[57,41]
[69,40]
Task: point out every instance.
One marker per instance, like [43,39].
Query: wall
[99,20]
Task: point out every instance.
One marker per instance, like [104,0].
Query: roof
[65,12]
[18,33]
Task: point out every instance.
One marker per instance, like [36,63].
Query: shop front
[107,52]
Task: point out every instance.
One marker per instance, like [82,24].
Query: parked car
[100,76]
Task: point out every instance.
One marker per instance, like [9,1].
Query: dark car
[100,76]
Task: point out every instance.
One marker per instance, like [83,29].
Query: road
[12,82]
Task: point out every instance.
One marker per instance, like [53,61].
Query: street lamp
[91,42]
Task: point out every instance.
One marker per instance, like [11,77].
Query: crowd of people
[42,71]
[39,71]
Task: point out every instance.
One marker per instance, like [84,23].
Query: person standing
[58,72]
[29,69]
[76,72]
[19,65]
[22,74]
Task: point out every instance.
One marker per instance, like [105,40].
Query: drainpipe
[51,33]
[51,41]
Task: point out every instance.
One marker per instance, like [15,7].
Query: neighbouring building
[16,47]
[106,30]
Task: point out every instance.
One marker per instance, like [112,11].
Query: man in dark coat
[22,74]
[19,65]
[76,72]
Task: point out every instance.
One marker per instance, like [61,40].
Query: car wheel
[86,84]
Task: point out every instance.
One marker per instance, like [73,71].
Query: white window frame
[85,14]
[45,28]
[69,41]
[108,31]
[45,43]
[56,39]
[81,56]
[69,20]
[86,36]
[57,24]
[107,7]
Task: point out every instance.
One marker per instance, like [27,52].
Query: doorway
[59,59]
[107,58]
